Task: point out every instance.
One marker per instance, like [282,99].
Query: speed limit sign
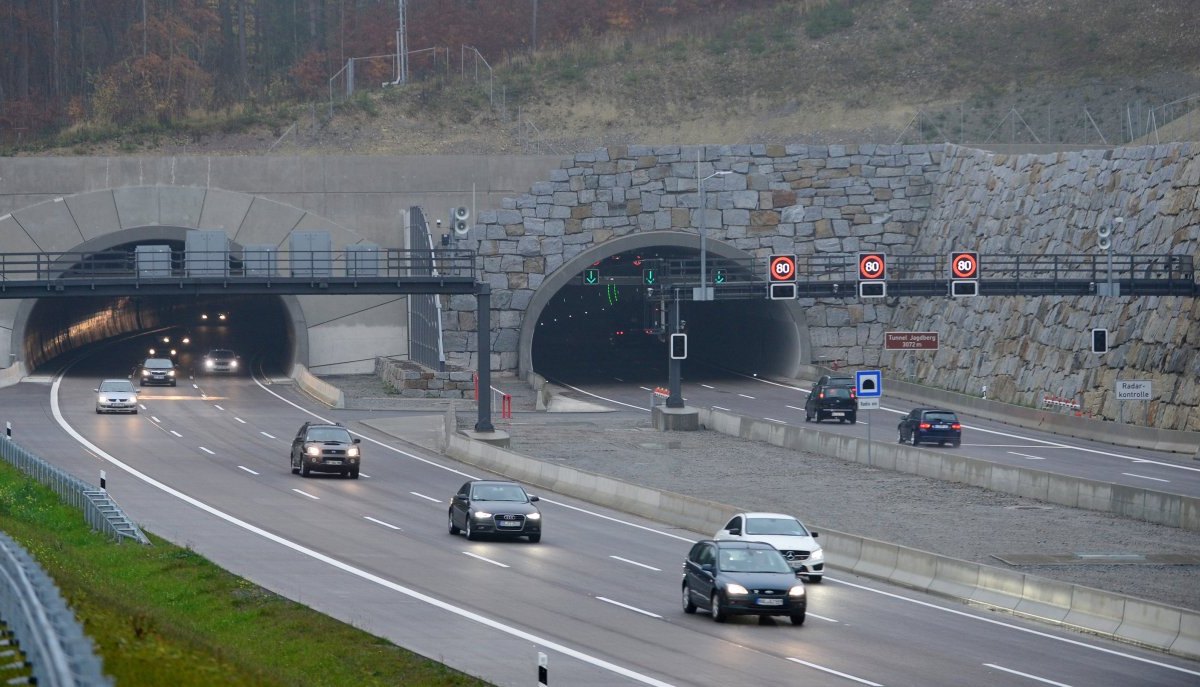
[782,268]
[872,266]
[964,265]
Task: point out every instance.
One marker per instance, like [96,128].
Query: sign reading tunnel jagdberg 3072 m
[910,341]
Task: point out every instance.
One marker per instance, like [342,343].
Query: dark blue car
[930,425]
[741,578]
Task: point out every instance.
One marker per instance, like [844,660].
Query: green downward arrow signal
[591,277]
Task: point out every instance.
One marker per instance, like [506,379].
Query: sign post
[1133,390]
[869,387]
[781,277]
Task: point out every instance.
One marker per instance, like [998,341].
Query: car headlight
[352,451]
[818,554]
[145,373]
[312,450]
[208,362]
[482,515]
[233,364]
[101,399]
[534,516]
[152,351]
[733,588]
[170,373]
[798,590]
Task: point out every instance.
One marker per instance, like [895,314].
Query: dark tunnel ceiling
[590,333]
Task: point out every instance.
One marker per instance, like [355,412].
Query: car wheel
[172,383]
[853,419]
[716,609]
[798,618]
[135,411]
[535,538]
[956,444]
[304,471]
[354,473]
[900,439]
[99,412]
[815,579]
[471,533]
[688,606]
[913,439]
[841,420]
[453,528]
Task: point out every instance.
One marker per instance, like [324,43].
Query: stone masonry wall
[411,380]
[813,199]
[779,199]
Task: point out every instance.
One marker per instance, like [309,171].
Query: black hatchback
[832,397]
[930,425]
[741,578]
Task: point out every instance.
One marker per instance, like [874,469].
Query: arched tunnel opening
[608,322]
[126,329]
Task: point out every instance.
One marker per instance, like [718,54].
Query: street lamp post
[703,293]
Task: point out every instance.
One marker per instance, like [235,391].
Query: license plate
[333,462]
[941,426]
[770,602]
[509,523]
[837,413]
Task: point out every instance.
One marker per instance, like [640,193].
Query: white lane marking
[267,435]
[1031,677]
[211,453]
[831,671]
[645,388]
[155,419]
[142,406]
[719,408]
[619,379]
[195,386]
[218,407]
[1156,479]
[1026,455]
[363,474]
[771,419]
[619,521]
[640,565]
[305,493]
[239,419]
[745,396]
[485,560]
[427,498]
[380,522]
[706,386]
[602,398]
[628,607]
[821,617]
[243,467]
[176,433]
[795,408]
[1018,628]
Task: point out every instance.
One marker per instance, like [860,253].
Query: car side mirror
[358,441]
[96,390]
[734,531]
[707,567]
[815,534]
[533,498]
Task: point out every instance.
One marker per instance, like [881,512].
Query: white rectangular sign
[868,403]
[1133,390]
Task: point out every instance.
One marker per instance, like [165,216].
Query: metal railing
[58,652]
[425,346]
[99,510]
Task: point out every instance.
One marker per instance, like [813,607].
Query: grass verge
[164,615]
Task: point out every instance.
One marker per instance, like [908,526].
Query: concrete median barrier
[876,559]
[319,389]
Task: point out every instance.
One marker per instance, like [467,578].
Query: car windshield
[837,392]
[221,353]
[159,363]
[498,492]
[329,434]
[116,385]
[940,417]
[783,526]
[753,560]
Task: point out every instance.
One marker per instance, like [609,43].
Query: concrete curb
[1114,616]
[1131,502]
[322,391]
[12,374]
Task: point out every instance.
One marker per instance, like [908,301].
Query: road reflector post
[543,669]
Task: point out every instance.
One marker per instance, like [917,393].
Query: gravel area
[951,519]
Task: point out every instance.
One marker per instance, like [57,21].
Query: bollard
[543,670]
[102,481]
[7,430]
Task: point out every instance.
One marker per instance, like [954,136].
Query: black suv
[741,578]
[931,424]
[832,397]
[322,447]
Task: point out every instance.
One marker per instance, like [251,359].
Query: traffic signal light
[1099,341]
[649,276]
[719,276]
[591,276]
[678,346]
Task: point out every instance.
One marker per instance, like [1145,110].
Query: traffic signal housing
[678,346]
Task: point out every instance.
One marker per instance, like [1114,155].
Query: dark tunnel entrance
[616,327]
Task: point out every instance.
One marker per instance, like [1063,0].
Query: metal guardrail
[425,343]
[59,654]
[99,510]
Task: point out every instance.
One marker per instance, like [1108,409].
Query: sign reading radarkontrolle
[910,341]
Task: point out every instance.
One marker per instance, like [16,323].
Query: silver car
[116,396]
[221,360]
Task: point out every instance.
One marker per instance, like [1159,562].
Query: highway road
[205,465]
[782,401]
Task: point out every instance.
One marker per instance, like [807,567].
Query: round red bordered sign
[871,265]
[783,267]
[964,265]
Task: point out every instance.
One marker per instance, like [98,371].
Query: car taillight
[821,395]
[956,426]
[924,425]
[853,392]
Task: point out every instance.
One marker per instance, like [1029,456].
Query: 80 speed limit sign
[964,265]
[872,266]
[782,268]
